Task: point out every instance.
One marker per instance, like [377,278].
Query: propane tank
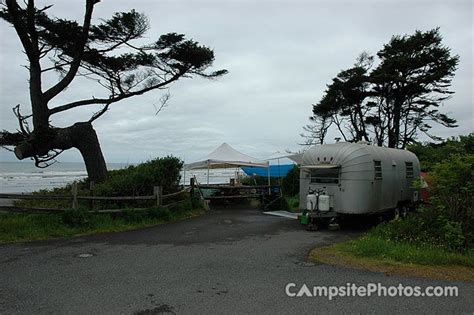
[311,202]
[323,203]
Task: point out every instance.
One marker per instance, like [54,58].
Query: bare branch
[61,85]
[44,161]
[20,28]
[163,102]
[113,99]
[22,121]
[99,113]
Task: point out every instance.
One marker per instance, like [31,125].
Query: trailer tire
[312,226]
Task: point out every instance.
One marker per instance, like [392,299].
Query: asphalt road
[223,262]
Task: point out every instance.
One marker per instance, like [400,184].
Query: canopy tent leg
[208,172]
[268,178]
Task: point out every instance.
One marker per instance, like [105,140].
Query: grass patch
[426,244]
[374,247]
[138,180]
[293,203]
[15,227]
[380,255]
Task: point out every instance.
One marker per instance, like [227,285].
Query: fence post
[74,195]
[191,183]
[91,189]
[158,192]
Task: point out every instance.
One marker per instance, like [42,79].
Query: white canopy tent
[287,158]
[296,157]
[225,157]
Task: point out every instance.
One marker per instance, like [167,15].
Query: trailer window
[378,169]
[325,176]
[409,169]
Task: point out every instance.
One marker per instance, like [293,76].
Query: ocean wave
[16,180]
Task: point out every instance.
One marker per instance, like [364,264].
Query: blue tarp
[275,170]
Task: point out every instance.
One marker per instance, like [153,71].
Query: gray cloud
[280,55]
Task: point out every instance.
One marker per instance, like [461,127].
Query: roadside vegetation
[441,232]
[291,189]
[15,227]
[136,180]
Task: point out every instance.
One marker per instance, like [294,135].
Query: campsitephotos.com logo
[369,289]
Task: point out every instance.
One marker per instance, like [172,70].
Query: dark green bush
[428,227]
[196,203]
[183,206]
[139,180]
[159,213]
[293,203]
[430,154]
[291,182]
[448,221]
[134,216]
[76,217]
[452,192]
[139,216]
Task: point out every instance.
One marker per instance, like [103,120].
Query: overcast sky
[280,56]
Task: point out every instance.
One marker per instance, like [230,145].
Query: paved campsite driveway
[224,262]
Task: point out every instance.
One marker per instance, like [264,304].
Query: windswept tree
[391,104]
[107,53]
[315,132]
[343,105]
[413,80]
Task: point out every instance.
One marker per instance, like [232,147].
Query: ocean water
[23,177]
[19,177]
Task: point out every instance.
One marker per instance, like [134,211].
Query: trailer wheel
[313,225]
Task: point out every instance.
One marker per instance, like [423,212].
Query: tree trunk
[81,136]
[85,139]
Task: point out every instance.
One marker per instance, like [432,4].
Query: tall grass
[16,227]
[371,246]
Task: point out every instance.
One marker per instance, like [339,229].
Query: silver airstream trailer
[356,179]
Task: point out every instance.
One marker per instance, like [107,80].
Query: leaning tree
[109,54]
[397,100]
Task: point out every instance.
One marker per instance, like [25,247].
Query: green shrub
[423,254]
[76,217]
[159,213]
[196,202]
[139,180]
[452,234]
[291,182]
[133,216]
[448,222]
[430,154]
[293,203]
[428,227]
[183,206]
[452,193]
[136,180]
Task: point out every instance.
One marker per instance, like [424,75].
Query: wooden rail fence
[74,198]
